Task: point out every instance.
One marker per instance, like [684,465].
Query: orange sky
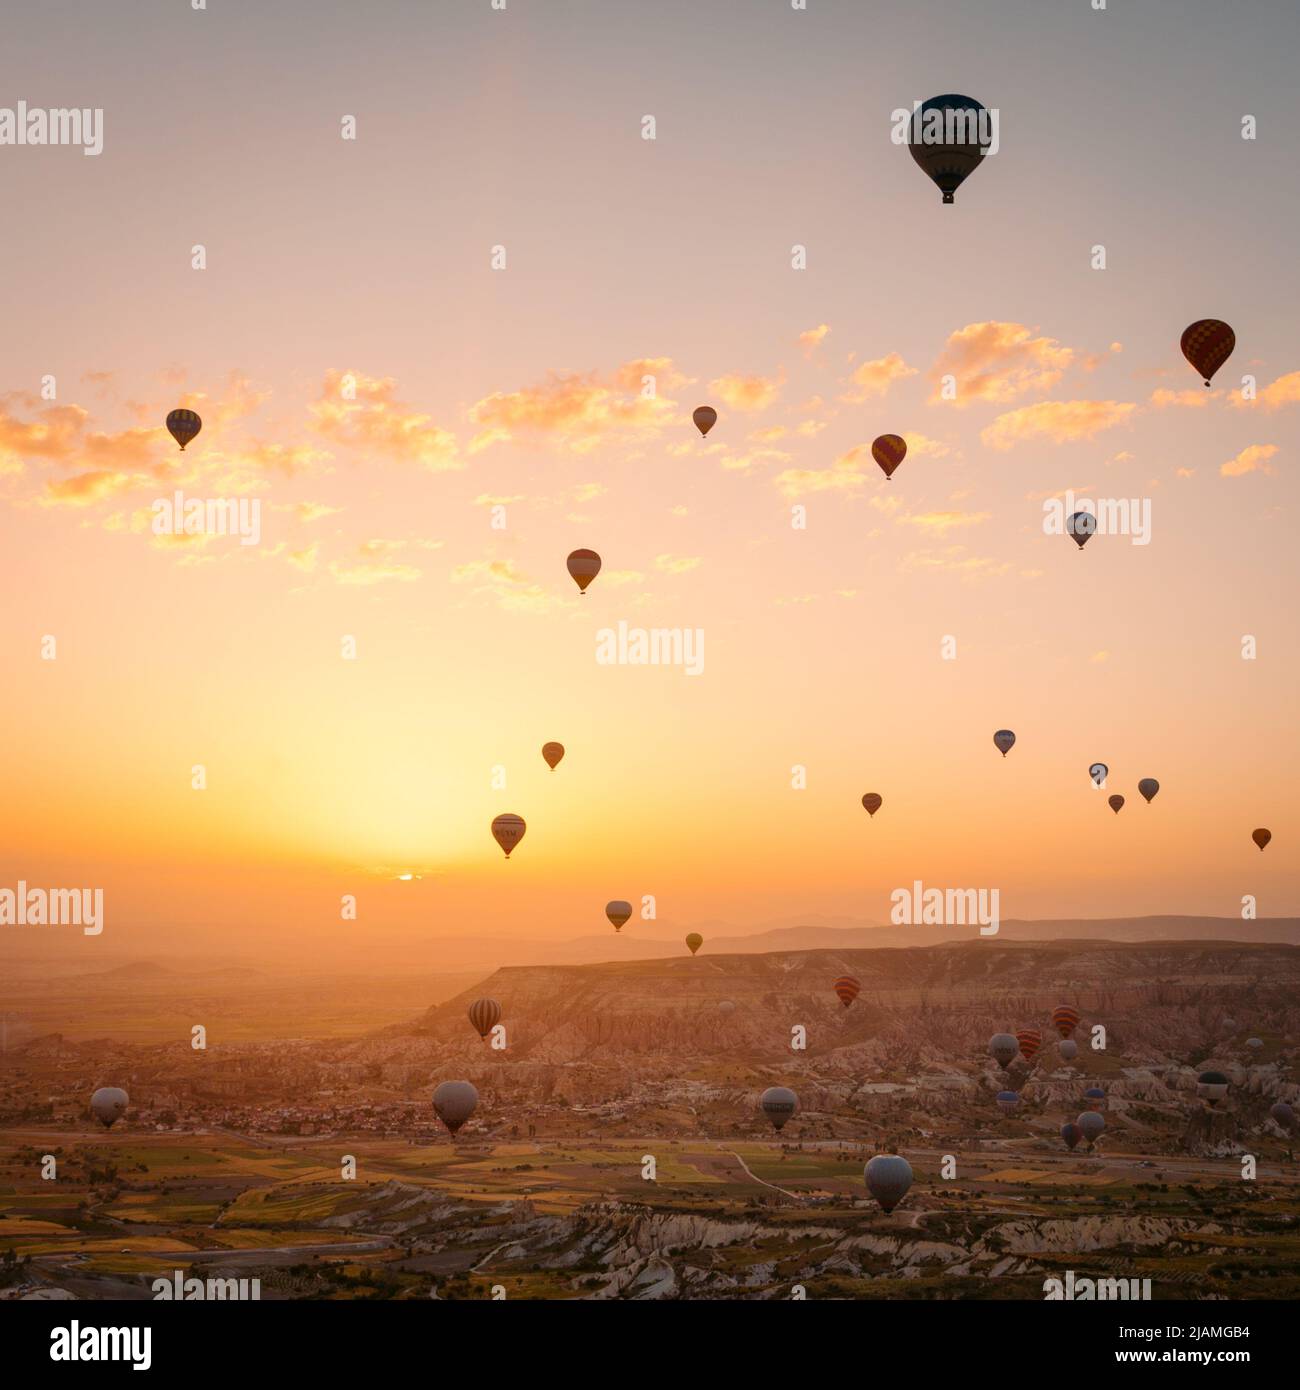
[523,388]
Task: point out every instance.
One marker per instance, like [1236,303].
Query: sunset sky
[522,387]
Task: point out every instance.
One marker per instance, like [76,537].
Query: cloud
[940,523]
[1059,421]
[746,393]
[1162,398]
[1284,391]
[812,338]
[504,582]
[362,412]
[874,378]
[86,489]
[999,361]
[583,409]
[844,475]
[376,565]
[677,564]
[1251,460]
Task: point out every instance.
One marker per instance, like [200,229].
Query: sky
[366,374]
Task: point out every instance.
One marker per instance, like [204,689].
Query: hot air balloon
[873,801]
[888,1177]
[1255,1044]
[848,989]
[1116,803]
[183,425]
[889,451]
[108,1105]
[507,831]
[1071,1133]
[584,566]
[1284,1115]
[1068,1048]
[1212,1086]
[705,418]
[1029,1040]
[1261,837]
[1065,1019]
[552,752]
[484,1014]
[1003,1048]
[1095,1096]
[1148,786]
[1207,344]
[1091,1125]
[778,1103]
[726,1007]
[1004,740]
[618,912]
[947,139]
[1099,772]
[694,941]
[1081,527]
[1007,1101]
[454,1102]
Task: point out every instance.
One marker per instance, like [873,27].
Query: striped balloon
[1065,1020]
[889,451]
[484,1014]
[183,425]
[1029,1041]
[848,989]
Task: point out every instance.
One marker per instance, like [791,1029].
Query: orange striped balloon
[848,989]
[889,451]
[1030,1040]
[1065,1020]
[484,1014]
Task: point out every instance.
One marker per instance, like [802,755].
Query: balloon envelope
[1212,1086]
[484,1014]
[584,566]
[454,1102]
[1207,344]
[1116,803]
[618,912]
[1254,1044]
[1096,1095]
[1068,1048]
[1007,1101]
[1004,740]
[705,418]
[947,138]
[1261,837]
[1099,772]
[694,941]
[1029,1040]
[552,752]
[873,801]
[1283,1114]
[889,451]
[1091,1124]
[847,988]
[1148,786]
[183,425]
[1081,527]
[1065,1019]
[508,830]
[726,1007]
[778,1103]
[1003,1049]
[888,1178]
[108,1105]
[1071,1133]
